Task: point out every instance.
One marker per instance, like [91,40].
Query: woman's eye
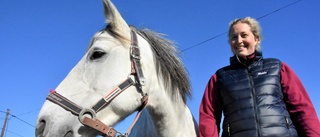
[97,55]
[233,37]
[244,35]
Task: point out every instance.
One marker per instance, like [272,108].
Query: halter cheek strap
[91,121]
[135,57]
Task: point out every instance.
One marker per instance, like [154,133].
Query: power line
[278,9]
[263,16]
[22,121]
[14,116]
[5,126]
[13,133]
[204,41]
[29,112]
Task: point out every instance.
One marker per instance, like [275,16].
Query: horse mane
[168,63]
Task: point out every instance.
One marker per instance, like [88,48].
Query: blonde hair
[254,25]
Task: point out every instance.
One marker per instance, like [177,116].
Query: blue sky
[41,41]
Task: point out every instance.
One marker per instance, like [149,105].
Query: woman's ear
[257,39]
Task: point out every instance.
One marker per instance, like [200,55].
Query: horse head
[124,70]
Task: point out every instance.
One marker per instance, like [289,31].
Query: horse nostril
[40,128]
[69,134]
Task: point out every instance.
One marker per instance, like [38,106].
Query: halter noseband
[93,122]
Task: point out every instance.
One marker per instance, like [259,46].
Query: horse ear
[114,18]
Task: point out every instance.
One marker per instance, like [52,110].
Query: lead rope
[145,102]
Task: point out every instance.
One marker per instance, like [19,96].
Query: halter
[93,122]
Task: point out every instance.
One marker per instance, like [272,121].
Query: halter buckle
[135,52]
[87,111]
[142,81]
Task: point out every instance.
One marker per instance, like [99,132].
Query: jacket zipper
[254,103]
[288,126]
[287,122]
[229,130]
[254,95]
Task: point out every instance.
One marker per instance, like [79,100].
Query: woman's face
[242,40]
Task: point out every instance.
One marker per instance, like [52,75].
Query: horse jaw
[172,120]
[115,20]
[162,119]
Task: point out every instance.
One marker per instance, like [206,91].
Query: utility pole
[5,122]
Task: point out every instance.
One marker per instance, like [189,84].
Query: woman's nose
[239,39]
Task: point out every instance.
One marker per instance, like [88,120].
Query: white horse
[124,70]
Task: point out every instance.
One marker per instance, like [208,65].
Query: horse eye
[97,55]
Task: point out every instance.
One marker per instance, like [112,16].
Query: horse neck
[164,117]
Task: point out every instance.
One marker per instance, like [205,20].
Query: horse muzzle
[43,128]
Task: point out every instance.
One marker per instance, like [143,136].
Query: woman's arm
[299,105]
[210,110]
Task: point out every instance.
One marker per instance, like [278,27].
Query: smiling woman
[258,96]
[244,37]
[123,71]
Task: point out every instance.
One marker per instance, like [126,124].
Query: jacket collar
[236,60]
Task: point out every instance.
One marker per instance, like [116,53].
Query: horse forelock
[112,32]
[169,65]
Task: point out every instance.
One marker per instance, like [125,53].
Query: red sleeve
[210,110]
[298,103]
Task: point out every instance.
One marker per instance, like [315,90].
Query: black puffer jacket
[252,99]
